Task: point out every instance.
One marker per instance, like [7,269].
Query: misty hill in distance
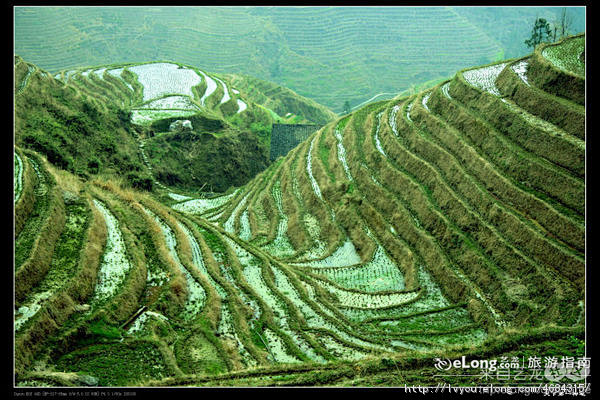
[329,54]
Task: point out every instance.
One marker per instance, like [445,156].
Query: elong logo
[446,364]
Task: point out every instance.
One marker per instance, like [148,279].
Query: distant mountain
[329,54]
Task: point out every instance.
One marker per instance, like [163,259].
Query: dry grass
[532,241]
[555,149]
[511,161]
[525,202]
[564,114]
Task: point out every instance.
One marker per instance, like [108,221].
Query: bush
[55,155]
[80,123]
[261,130]
[94,165]
[124,116]
[229,108]
[90,110]
[103,330]
[140,182]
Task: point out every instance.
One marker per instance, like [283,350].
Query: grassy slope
[72,129]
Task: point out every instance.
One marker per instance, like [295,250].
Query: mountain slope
[52,119]
[230,127]
[446,223]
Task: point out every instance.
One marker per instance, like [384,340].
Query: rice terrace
[241,202]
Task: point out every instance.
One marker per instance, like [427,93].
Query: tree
[562,25]
[346,107]
[565,23]
[540,33]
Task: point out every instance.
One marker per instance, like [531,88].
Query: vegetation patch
[379,275]
[215,162]
[117,364]
[344,256]
[199,206]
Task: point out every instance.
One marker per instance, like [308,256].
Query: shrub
[94,165]
[124,115]
[140,182]
[42,144]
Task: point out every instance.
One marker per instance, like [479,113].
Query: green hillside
[52,119]
[328,54]
[442,224]
[125,112]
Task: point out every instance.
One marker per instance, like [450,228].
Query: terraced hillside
[229,127]
[156,91]
[329,54]
[442,224]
